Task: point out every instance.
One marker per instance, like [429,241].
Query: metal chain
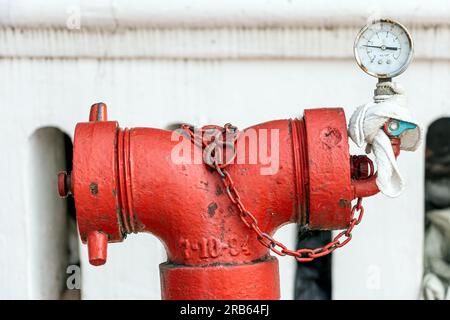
[301,255]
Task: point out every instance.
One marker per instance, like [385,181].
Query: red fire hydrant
[213,225]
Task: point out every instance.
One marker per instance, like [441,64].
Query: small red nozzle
[64,188]
[97,243]
[98,112]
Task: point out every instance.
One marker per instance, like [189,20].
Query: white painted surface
[204,13]
[159,73]
[46,215]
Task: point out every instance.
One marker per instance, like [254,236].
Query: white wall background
[156,63]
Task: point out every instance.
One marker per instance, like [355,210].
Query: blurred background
[156,63]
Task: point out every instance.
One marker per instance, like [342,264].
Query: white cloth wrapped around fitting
[366,127]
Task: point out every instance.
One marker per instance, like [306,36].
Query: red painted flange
[329,186]
[252,281]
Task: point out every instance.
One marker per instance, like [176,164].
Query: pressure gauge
[383,49]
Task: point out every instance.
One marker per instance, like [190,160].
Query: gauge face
[383,48]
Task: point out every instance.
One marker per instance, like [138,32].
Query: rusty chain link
[210,159]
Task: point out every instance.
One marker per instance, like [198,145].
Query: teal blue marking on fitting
[402,126]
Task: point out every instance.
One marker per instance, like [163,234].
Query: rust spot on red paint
[93,187]
[231,211]
[139,225]
[331,137]
[343,203]
[205,183]
[219,190]
[212,207]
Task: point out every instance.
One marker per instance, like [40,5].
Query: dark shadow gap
[313,279]
[436,279]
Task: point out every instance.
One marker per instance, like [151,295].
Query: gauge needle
[381,47]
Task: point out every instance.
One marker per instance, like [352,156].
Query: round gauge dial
[383,48]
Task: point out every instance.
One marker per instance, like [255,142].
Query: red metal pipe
[125,180]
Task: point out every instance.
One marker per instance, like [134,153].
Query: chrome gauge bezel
[384,75]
